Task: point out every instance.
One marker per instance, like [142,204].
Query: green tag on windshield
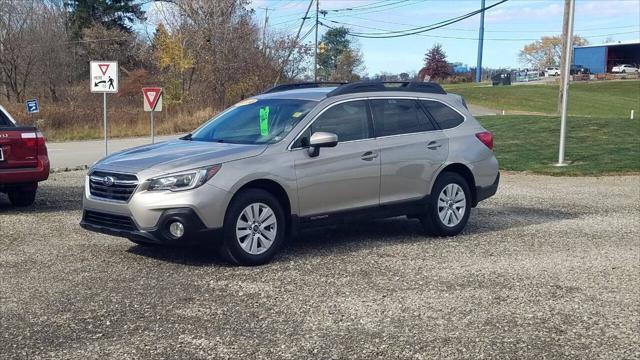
[264,121]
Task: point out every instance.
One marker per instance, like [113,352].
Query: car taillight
[486,138]
[35,140]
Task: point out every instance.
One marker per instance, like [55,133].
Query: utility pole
[480,44]
[315,58]
[264,28]
[566,68]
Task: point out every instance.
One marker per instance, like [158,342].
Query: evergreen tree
[340,59]
[111,14]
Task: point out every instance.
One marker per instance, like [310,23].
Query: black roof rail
[302,85]
[375,86]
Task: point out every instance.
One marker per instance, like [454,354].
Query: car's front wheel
[254,228]
[448,207]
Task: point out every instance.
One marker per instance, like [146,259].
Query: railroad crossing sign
[104,76]
[32,106]
[152,98]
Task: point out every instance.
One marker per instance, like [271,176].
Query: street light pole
[566,68]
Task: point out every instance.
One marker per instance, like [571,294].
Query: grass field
[598,98]
[595,145]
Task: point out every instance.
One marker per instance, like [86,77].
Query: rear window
[4,120]
[445,116]
[398,116]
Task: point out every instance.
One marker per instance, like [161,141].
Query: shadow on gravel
[362,235]
[191,255]
[47,201]
[491,219]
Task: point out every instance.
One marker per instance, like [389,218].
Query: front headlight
[185,180]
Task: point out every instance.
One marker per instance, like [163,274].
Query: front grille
[118,222]
[112,186]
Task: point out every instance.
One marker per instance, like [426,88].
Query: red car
[23,160]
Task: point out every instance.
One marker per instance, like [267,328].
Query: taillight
[35,140]
[486,138]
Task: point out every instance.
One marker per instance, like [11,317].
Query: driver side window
[348,120]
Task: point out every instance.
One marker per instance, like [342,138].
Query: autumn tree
[341,59]
[173,60]
[546,51]
[436,65]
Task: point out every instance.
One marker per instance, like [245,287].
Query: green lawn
[595,145]
[605,99]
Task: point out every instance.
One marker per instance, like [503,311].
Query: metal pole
[565,30]
[480,44]
[153,140]
[315,58]
[106,147]
[566,66]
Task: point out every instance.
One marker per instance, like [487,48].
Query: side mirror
[321,139]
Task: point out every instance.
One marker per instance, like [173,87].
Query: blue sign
[32,106]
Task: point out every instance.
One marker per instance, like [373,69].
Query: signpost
[104,79]
[152,98]
[32,106]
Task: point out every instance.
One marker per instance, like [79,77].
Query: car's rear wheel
[448,207]
[22,198]
[254,228]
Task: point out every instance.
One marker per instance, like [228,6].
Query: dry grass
[72,120]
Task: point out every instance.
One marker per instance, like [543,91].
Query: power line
[368,6]
[421,29]
[495,31]
[466,38]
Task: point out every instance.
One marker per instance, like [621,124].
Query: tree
[546,51]
[341,60]
[111,14]
[348,65]
[436,65]
[171,57]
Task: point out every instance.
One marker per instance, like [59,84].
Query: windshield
[254,121]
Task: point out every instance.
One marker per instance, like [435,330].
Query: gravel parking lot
[549,268]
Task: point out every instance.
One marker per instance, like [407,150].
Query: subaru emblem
[108,181]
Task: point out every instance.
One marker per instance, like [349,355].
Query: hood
[176,155]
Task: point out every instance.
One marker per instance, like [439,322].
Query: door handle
[369,155]
[433,145]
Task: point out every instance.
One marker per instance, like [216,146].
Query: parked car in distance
[578,70]
[552,71]
[23,160]
[624,68]
[300,156]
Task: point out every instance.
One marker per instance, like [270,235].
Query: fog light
[176,229]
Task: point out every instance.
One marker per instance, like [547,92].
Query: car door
[345,177]
[411,149]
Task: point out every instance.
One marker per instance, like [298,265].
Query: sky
[508,26]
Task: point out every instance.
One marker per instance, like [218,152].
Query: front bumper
[123,226]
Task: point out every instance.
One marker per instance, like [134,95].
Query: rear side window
[398,116]
[445,116]
[4,120]
[348,120]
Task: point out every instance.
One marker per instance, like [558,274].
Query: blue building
[601,58]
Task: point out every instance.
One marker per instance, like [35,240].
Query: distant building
[599,59]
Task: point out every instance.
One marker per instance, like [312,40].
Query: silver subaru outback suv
[296,156]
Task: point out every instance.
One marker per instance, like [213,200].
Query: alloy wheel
[256,228]
[452,204]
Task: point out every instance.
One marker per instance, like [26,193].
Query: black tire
[431,221]
[22,198]
[230,247]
